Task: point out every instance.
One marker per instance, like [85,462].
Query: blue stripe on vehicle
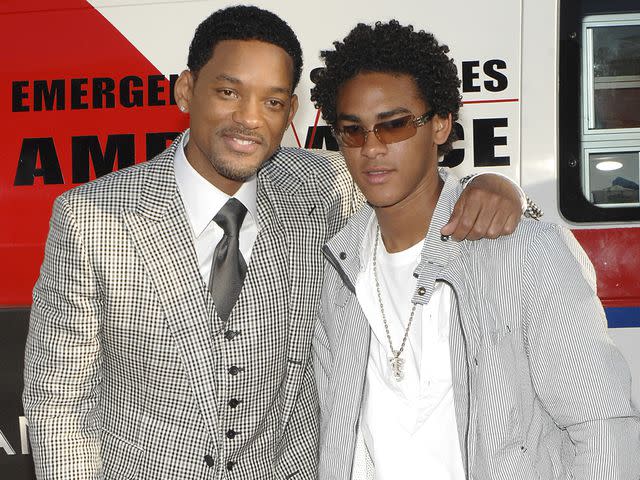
[623,317]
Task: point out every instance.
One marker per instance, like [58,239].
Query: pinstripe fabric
[128,369]
[540,390]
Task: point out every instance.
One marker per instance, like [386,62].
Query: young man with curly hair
[171,327]
[450,360]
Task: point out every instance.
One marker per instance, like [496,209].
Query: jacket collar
[344,251]
[160,189]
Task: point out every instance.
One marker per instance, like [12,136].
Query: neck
[203,166]
[406,223]
[225,185]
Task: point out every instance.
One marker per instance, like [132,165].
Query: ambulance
[551,92]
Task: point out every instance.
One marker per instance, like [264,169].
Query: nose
[248,114]
[372,145]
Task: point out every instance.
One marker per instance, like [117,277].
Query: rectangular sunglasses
[390,131]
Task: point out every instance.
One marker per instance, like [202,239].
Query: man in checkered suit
[130,370]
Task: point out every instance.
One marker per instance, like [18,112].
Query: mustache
[243,133]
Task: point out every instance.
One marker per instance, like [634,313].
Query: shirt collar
[201,199]
[353,244]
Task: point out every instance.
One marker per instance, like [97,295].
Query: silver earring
[183,108]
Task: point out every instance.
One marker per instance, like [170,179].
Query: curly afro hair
[390,48]
[244,23]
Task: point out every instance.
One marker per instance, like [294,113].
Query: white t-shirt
[409,427]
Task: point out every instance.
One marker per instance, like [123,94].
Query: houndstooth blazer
[540,391]
[130,374]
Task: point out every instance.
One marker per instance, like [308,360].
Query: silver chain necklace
[397,363]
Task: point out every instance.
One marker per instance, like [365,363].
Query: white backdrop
[471,33]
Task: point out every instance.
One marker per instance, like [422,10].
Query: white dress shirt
[202,201]
[409,427]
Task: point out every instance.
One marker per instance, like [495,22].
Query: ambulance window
[612,58]
[600,117]
[612,178]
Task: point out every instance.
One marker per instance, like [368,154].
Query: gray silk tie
[228,268]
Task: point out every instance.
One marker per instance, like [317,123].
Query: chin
[238,175]
[379,199]
[238,170]
[381,203]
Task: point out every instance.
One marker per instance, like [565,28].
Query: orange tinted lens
[352,135]
[395,130]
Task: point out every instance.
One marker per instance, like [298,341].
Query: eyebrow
[237,81]
[379,116]
[228,78]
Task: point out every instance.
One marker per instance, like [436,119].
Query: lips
[377,175]
[239,143]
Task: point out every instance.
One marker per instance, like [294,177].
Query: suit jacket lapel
[300,215]
[161,232]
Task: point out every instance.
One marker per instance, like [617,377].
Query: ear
[183,90]
[441,128]
[293,109]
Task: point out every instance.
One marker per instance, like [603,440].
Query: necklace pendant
[397,365]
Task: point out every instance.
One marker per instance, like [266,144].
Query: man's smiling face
[240,104]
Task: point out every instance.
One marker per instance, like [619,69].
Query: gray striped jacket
[540,390]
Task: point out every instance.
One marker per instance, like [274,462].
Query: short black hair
[244,22]
[391,48]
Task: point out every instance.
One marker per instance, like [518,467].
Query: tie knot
[230,217]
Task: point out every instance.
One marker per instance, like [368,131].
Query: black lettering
[155,89]
[158,142]
[18,95]
[42,92]
[103,88]
[323,138]
[456,156]
[131,97]
[49,169]
[500,80]
[485,141]
[468,76]
[78,92]
[87,148]
[173,78]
